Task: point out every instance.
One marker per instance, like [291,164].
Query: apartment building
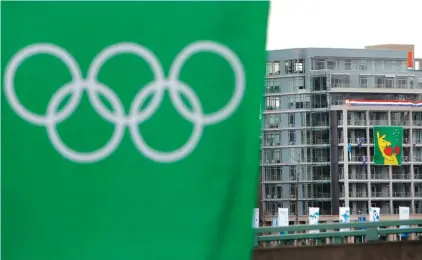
[320,108]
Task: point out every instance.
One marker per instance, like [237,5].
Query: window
[347,64]
[291,119]
[363,81]
[292,137]
[331,64]
[300,83]
[401,82]
[319,83]
[361,65]
[320,64]
[292,172]
[402,66]
[294,66]
[298,67]
[387,65]
[277,68]
[379,65]
[340,81]
[389,82]
[269,68]
[393,65]
[379,82]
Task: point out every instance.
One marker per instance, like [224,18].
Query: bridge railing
[362,231]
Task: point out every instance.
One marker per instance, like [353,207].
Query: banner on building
[374,214]
[84,190]
[313,218]
[255,223]
[283,217]
[344,217]
[404,214]
[388,145]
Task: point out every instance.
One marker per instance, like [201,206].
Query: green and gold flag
[129,129]
[388,145]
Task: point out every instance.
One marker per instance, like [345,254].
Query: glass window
[269,68]
[331,64]
[379,82]
[320,64]
[379,65]
[389,82]
[348,65]
[363,81]
[401,82]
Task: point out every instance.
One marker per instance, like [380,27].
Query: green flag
[388,145]
[129,129]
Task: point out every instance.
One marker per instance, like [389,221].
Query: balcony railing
[356,122]
[376,194]
[359,176]
[378,122]
[418,176]
[417,123]
[418,194]
[358,194]
[401,194]
[401,176]
[380,177]
[402,122]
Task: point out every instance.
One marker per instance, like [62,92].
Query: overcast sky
[344,23]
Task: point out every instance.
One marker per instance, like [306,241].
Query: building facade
[318,102]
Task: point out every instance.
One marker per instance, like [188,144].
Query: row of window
[320,83]
[360,64]
[297,66]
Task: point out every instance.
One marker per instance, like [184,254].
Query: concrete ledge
[407,250]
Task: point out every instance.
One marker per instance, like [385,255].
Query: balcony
[382,176]
[358,194]
[401,194]
[379,122]
[418,194]
[417,123]
[353,158]
[358,176]
[418,176]
[400,122]
[380,194]
[417,159]
[401,176]
[356,122]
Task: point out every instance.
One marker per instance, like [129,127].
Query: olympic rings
[118,117]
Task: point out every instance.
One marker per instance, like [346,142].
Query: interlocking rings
[118,117]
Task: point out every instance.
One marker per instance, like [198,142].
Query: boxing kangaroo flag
[388,145]
[124,122]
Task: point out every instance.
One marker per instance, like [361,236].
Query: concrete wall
[409,250]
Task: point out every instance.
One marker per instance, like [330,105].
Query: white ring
[27,52]
[69,153]
[136,116]
[182,151]
[236,64]
[157,88]
[109,53]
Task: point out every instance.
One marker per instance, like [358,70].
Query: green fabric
[129,201]
[388,145]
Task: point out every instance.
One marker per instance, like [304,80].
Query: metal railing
[370,231]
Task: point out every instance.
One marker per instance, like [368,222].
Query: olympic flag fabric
[120,116]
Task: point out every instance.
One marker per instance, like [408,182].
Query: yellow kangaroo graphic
[382,144]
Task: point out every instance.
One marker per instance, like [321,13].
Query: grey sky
[344,23]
